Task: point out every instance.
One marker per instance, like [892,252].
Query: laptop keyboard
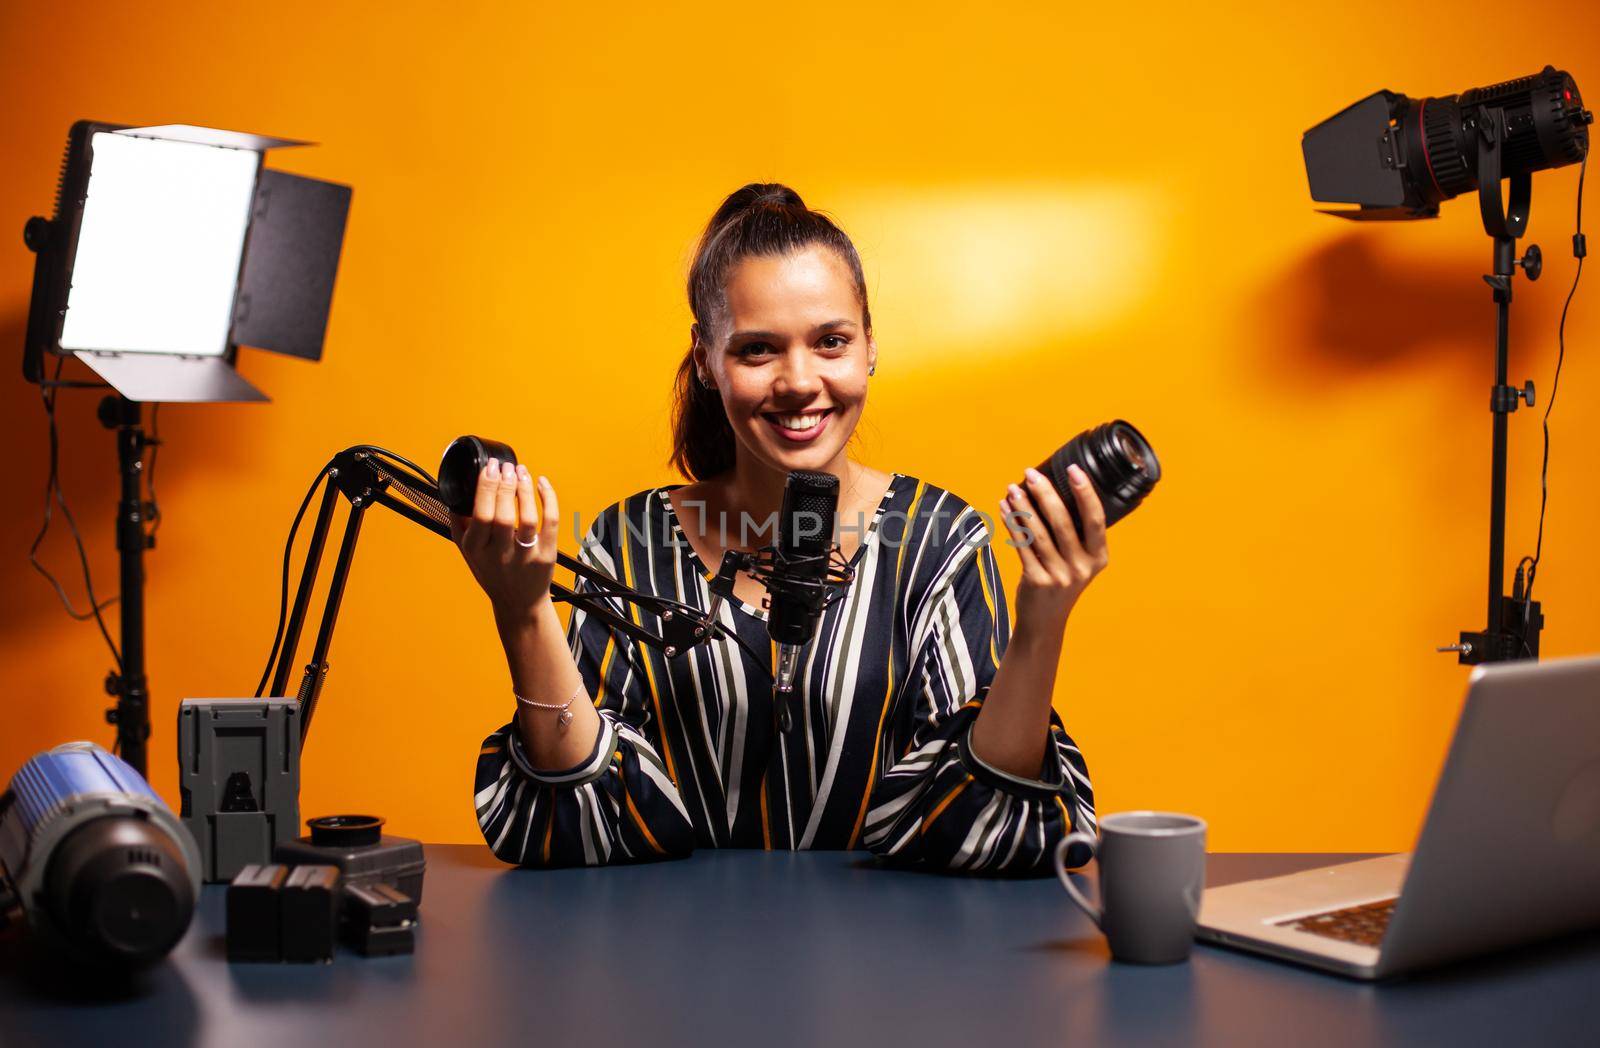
[1363,925]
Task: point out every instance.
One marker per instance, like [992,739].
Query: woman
[922,724]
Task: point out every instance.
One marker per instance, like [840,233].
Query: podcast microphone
[797,587]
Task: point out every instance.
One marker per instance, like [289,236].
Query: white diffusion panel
[157,264]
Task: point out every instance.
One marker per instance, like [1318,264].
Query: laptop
[1509,852]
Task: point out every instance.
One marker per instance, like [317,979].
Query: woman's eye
[840,344]
[750,348]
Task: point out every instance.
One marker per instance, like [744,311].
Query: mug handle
[1060,866]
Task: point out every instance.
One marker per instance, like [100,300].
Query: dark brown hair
[762,218]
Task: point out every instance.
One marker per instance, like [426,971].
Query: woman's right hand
[516,577]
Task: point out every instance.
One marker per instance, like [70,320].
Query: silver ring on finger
[528,545]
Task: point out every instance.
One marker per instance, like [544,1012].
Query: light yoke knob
[1532,263]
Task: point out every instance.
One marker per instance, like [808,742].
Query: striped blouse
[689,753]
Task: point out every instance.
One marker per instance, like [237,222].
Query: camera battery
[238,779]
[253,913]
[309,913]
[379,920]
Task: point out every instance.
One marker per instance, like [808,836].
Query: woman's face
[791,361]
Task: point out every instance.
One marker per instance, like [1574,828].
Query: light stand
[1504,221]
[131,714]
[1433,149]
[169,248]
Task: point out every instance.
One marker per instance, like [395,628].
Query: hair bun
[781,195]
[755,195]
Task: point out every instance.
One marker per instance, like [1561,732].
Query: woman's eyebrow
[826,326]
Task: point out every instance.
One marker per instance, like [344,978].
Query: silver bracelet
[566,714]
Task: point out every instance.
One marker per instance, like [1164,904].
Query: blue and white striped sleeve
[617,805]
[937,804]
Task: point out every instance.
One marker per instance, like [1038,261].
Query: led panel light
[158,254]
[170,247]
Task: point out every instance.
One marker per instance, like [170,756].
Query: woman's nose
[797,375]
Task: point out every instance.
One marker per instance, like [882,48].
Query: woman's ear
[872,352]
[697,349]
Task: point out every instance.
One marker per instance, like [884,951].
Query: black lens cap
[463,461]
[346,831]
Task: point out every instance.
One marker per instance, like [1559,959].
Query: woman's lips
[801,436]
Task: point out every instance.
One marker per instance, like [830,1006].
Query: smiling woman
[925,730]
[773,281]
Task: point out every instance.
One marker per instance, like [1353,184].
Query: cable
[53,493]
[283,596]
[1579,250]
[1519,587]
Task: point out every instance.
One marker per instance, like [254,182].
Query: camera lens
[1119,462]
[1131,449]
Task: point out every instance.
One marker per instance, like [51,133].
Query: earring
[872,370]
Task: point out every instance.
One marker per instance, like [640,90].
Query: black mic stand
[785,574]
[368,476]
[1500,642]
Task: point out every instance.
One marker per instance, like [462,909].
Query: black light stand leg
[131,714]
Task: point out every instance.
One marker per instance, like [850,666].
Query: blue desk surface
[758,948]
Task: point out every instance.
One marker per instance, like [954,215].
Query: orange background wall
[1066,216]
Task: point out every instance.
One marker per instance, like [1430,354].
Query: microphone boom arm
[365,475]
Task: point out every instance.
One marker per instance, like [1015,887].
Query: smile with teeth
[798,424]
[802,421]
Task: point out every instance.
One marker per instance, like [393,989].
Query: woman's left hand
[1056,566]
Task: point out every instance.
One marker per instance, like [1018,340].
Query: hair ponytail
[762,218]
